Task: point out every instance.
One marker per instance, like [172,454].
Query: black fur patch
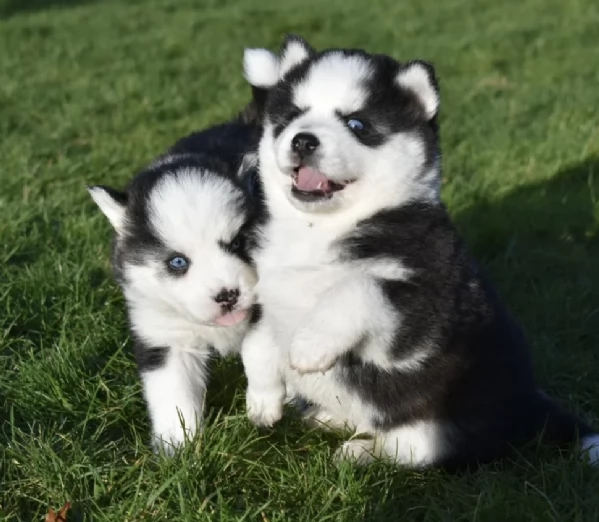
[227,143]
[478,377]
[256,314]
[149,358]
[239,246]
[249,180]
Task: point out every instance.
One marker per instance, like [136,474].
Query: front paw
[264,408]
[167,443]
[311,358]
[167,447]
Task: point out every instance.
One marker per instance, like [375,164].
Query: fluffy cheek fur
[189,296]
[394,169]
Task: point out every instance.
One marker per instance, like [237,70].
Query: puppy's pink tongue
[310,180]
[231,318]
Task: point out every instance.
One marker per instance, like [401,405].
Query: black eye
[178,263]
[355,125]
[236,244]
[293,113]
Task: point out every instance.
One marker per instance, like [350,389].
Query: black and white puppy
[371,306]
[180,257]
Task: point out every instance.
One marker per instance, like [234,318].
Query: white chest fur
[298,264]
[318,304]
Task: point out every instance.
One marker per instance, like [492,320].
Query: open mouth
[230,318]
[309,184]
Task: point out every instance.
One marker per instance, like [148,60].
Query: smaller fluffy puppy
[181,233]
[371,306]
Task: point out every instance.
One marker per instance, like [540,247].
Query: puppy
[180,256]
[371,306]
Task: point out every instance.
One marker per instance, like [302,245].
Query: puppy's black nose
[227,298]
[304,143]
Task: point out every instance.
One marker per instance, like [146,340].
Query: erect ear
[261,68]
[294,51]
[419,78]
[112,203]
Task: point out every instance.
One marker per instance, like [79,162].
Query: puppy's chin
[314,205]
[232,318]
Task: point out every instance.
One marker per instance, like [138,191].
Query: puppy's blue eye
[355,125]
[178,263]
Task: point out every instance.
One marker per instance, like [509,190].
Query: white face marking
[192,214]
[334,83]
[380,175]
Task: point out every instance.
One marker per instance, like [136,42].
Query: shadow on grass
[9,8]
[540,244]
[556,219]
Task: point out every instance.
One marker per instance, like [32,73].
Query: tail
[558,427]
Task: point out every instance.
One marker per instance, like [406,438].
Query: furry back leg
[360,451]
[318,417]
[413,445]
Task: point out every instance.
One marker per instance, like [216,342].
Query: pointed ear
[419,78]
[261,68]
[294,51]
[112,203]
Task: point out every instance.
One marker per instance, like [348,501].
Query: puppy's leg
[343,316]
[360,451]
[174,384]
[316,416]
[266,392]
[415,445]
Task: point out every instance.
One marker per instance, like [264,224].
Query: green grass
[90,91]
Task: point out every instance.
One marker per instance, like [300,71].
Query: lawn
[91,90]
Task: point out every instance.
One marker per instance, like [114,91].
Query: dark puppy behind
[372,307]
[183,227]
